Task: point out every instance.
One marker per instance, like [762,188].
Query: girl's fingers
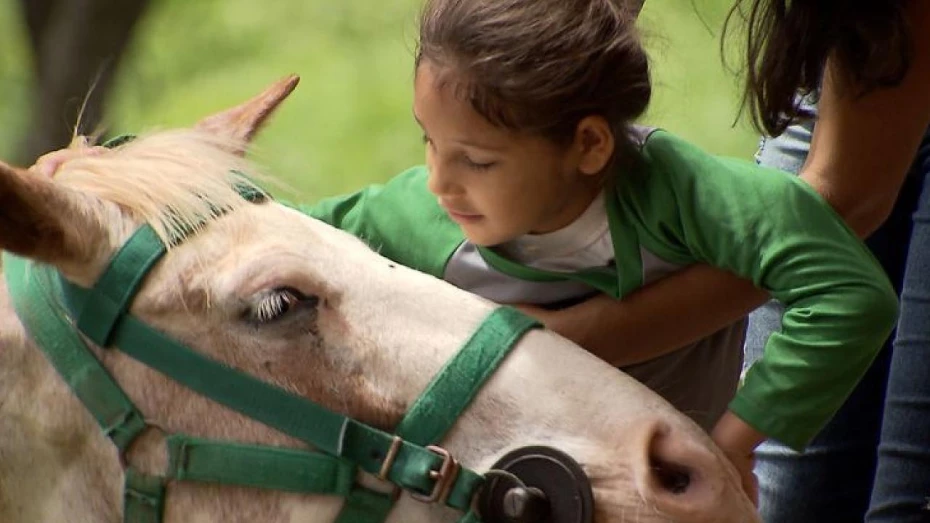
[48,164]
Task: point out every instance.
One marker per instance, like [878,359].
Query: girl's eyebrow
[467,143]
[476,145]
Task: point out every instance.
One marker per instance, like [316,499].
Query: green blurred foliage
[349,122]
[15,77]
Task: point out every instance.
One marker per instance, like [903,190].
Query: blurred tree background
[349,121]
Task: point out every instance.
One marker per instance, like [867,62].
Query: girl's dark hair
[540,66]
[788,43]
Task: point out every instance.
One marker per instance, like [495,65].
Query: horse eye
[277,303]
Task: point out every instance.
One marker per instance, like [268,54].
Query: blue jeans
[874,456]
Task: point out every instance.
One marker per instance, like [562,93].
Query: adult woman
[868,65]
[861,151]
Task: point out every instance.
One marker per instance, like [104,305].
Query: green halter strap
[407,459]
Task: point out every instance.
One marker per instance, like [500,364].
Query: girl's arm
[777,231]
[861,151]
[399,219]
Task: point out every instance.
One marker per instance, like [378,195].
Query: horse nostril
[673,478]
[681,475]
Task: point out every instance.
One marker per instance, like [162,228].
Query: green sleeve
[774,229]
[400,219]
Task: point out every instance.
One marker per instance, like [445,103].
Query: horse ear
[242,122]
[40,220]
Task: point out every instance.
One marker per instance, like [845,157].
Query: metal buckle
[389,458]
[444,478]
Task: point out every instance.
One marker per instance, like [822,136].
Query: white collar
[574,237]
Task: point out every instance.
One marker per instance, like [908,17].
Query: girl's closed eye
[464,158]
[476,165]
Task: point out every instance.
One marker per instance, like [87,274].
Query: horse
[305,313]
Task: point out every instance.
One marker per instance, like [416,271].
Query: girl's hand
[48,164]
[744,464]
[738,441]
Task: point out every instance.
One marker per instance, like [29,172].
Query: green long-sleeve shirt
[681,205]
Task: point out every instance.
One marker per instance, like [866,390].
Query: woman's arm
[658,318]
[862,147]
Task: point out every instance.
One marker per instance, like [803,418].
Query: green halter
[408,458]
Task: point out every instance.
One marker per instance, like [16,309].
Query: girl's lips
[461,217]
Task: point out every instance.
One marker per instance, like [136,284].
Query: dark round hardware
[536,485]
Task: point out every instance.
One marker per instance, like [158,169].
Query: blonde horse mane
[173,180]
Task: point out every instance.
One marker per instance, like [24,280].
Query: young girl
[538,190]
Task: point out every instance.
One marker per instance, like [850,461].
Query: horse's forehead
[252,247]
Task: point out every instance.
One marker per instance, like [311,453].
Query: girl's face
[496,184]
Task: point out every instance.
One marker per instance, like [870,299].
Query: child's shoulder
[409,187]
[668,158]
[662,150]
[673,177]
[400,219]
[414,175]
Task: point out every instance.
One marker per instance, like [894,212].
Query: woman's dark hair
[540,66]
[788,43]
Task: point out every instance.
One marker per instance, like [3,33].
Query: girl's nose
[439,181]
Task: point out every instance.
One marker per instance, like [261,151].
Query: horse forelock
[173,180]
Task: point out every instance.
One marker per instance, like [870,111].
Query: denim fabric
[832,481]
[901,492]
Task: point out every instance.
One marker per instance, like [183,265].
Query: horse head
[421,388]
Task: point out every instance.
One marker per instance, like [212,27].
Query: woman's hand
[573,323]
[657,319]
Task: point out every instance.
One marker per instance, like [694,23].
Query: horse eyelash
[275,304]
